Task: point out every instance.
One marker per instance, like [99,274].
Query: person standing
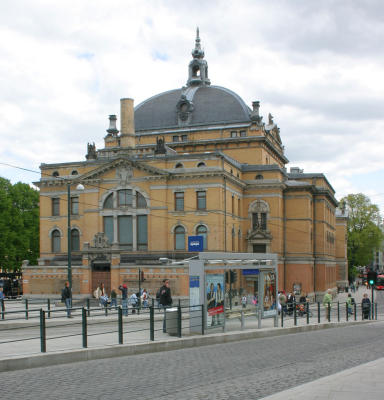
[165,299]
[66,297]
[366,306]
[124,298]
[113,299]
[327,303]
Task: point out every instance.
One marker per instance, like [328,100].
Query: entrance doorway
[101,273]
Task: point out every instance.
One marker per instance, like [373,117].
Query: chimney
[112,130]
[127,120]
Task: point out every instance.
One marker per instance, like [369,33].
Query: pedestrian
[113,299]
[66,297]
[101,295]
[327,302]
[244,301]
[283,302]
[144,298]
[2,297]
[124,298]
[350,302]
[165,299]
[133,300]
[366,306]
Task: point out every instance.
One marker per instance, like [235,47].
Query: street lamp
[78,187]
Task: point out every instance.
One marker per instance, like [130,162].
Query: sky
[316,66]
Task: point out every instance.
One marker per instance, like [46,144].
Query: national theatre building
[190,161]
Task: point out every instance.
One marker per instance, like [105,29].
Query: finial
[197,52]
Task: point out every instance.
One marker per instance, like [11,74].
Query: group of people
[140,298]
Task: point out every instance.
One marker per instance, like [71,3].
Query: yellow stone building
[191,161]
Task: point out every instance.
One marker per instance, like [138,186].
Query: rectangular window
[259,221]
[184,138]
[108,228]
[74,205]
[125,197]
[142,232]
[243,133]
[234,134]
[233,205]
[179,201]
[238,207]
[175,138]
[201,200]
[259,248]
[56,206]
[125,230]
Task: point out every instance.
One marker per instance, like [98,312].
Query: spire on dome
[198,67]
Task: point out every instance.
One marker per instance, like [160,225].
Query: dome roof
[201,105]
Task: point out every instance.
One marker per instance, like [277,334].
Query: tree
[19,224]
[364,233]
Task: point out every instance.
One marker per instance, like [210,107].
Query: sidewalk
[362,382]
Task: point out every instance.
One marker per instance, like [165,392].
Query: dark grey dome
[203,105]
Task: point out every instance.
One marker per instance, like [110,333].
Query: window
[142,232]
[175,138]
[179,201]
[125,197]
[238,207]
[108,203]
[74,172]
[56,206]
[74,205]
[243,133]
[184,138]
[233,133]
[55,174]
[125,230]
[259,176]
[201,197]
[259,221]
[233,205]
[259,248]
[140,201]
[179,165]
[179,238]
[200,165]
[55,241]
[108,228]
[201,230]
[75,240]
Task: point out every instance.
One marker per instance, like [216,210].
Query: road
[242,370]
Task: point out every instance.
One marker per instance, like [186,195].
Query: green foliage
[19,224]
[364,233]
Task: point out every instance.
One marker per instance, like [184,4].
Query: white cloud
[316,66]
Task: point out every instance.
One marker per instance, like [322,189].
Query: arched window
[75,240]
[108,203]
[140,201]
[55,174]
[55,241]
[201,164]
[259,176]
[179,165]
[201,230]
[179,238]
[74,172]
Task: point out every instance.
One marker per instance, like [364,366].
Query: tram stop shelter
[257,284]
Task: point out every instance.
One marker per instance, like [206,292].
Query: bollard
[49,308]
[84,327]
[307,309]
[120,324]
[202,320]
[346,312]
[318,312]
[43,338]
[376,311]
[294,314]
[338,311]
[259,318]
[282,318]
[179,320]
[88,308]
[242,320]
[354,309]
[329,312]
[2,309]
[152,323]
[106,309]
[26,308]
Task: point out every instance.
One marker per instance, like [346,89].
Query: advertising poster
[215,299]
[194,290]
[269,294]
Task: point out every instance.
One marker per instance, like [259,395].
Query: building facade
[190,161]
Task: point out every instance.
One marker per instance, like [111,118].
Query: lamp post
[78,187]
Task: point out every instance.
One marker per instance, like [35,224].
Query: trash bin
[171,321]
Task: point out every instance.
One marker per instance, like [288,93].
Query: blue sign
[195,243]
[250,272]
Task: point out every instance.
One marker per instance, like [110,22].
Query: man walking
[165,299]
[66,297]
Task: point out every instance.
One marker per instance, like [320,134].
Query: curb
[71,356]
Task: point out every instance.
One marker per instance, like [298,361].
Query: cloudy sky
[317,66]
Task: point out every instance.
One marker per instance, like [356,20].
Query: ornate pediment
[258,234]
[100,241]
